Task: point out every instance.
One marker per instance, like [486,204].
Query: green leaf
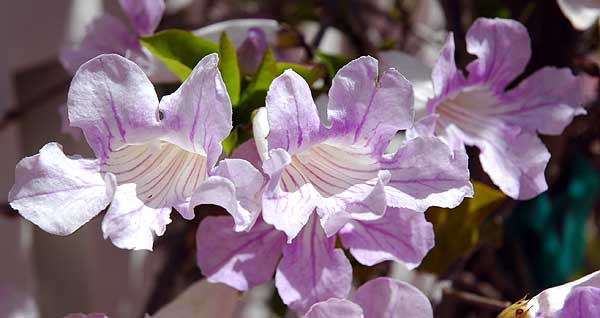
[332,62]
[253,96]
[309,73]
[179,50]
[231,142]
[457,231]
[230,71]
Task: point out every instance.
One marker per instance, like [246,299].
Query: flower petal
[389,298]
[581,13]
[251,51]
[426,172]
[583,302]
[545,102]
[335,308]
[106,34]
[237,30]
[287,209]
[400,235]
[114,103]
[369,109]
[503,49]
[312,269]
[292,115]
[130,224]
[198,114]
[59,193]
[145,15]
[248,152]
[446,77]
[241,260]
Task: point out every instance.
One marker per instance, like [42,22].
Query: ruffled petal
[400,235]
[198,114]
[292,115]
[106,34]
[446,77]
[545,102]
[503,49]
[114,103]
[335,308]
[59,193]
[145,15]
[312,270]
[389,298]
[426,172]
[286,204]
[241,260]
[130,224]
[581,13]
[236,186]
[370,110]
[583,302]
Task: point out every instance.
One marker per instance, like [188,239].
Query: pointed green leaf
[231,142]
[179,50]
[309,73]
[230,71]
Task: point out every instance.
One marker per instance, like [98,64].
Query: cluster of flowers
[305,179]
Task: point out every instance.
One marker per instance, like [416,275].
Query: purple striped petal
[368,109]
[312,269]
[59,193]
[335,308]
[545,102]
[145,15]
[389,298]
[130,224]
[503,49]
[198,114]
[583,302]
[400,235]
[426,172]
[239,259]
[292,114]
[114,103]
[446,77]
[106,34]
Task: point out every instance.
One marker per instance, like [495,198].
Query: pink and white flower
[150,156]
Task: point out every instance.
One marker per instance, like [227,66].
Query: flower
[107,34]
[576,299]
[379,298]
[150,157]
[581,13]
[479,110]
[341,170]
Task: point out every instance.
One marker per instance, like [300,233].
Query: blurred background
[498,250]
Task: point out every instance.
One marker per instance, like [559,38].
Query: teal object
[551,227]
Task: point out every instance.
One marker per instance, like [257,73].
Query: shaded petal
[515,163]
[312,269]
[426,172]
[114,103]
[581,13]
[202,299]
[287,210]
[400,235]
[415,71]
[446,77]
[292,115]
[59,193]
[236,186]
[369,109]
[425,127]
[389,298]
[145,15]
[503,49]
[583,302]
[130,224]
[239,259]
[545,102]
[260,130]
[106,34]
[198,114]
[335,308]
[251,51]
[248,152]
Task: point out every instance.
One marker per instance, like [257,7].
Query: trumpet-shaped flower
[378,298]
[340,170]
[150,157]
[479,110]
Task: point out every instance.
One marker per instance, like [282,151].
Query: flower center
[164,173]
